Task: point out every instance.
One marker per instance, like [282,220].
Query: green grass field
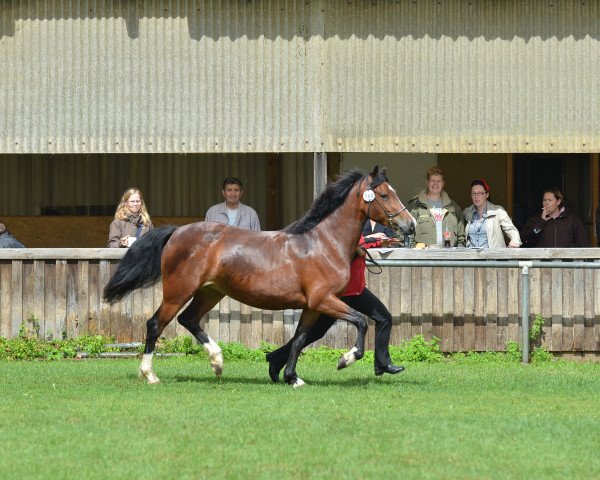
[94,419]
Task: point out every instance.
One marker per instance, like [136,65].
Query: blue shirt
[232,216]
[476,233]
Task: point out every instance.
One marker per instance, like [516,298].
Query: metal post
[525,309]
[319,173]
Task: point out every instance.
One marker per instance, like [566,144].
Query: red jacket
[357,282]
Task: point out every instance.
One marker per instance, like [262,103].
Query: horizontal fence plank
[467,308]
[384,253]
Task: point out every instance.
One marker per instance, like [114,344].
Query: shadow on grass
[225,379]
[360,382]
[342,382]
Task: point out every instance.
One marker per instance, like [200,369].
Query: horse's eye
[384,195]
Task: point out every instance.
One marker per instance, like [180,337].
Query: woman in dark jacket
[555,227]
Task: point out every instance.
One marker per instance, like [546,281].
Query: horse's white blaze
[215,355]
[414,220]
[298,383]
[146,369]
[349,356]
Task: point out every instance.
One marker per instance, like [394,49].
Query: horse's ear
[383,172]
[375,171]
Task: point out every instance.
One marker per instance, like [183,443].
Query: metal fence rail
[524,265]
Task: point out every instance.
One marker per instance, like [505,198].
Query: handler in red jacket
[358,297]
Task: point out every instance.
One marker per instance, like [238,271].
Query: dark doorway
[535,172]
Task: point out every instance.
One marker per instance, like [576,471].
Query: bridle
[390,216]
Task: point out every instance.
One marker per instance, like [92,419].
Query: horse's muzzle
[404,226]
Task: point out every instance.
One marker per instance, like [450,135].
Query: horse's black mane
[331,199]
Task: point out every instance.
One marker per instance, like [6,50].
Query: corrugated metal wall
[462,76]
[299,76]
[173,185]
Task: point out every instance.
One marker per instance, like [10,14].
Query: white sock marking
[298,383]
[349,356]
[146,369]
[215,355]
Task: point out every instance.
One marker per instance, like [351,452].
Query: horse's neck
[344,226]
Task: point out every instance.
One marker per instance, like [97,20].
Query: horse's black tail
[140,266]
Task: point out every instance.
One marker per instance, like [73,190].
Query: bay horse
[304,266]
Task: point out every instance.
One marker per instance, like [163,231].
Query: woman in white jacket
[487,224]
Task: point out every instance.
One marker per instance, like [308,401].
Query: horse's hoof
[291,380]
[150,376]
[298,383]
[216,363]
[347,358]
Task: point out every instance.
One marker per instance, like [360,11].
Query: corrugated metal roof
[229,76]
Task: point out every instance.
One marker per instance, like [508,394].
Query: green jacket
[426,232]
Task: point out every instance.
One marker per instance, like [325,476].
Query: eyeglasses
[478,194]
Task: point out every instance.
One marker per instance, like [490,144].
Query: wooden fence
[60,292]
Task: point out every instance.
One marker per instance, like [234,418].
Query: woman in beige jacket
[487,224]
[131,220]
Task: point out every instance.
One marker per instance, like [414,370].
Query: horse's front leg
[358,350]
[334,307]
[307,320]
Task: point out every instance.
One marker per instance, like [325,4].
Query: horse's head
[383,204]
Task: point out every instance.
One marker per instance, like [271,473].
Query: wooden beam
[320,173]
[595,179]
[334,163]
[103,254]
[510,188]
[274,210]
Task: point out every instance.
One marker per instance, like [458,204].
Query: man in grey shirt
[232,211]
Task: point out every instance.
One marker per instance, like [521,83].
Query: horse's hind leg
[202,302]
[155,326]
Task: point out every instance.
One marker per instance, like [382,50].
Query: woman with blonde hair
[131,220]
[439,218]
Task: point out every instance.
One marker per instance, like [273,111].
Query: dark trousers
[365,303]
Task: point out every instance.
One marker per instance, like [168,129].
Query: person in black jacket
[374,230]
[7,240]
[555,227]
